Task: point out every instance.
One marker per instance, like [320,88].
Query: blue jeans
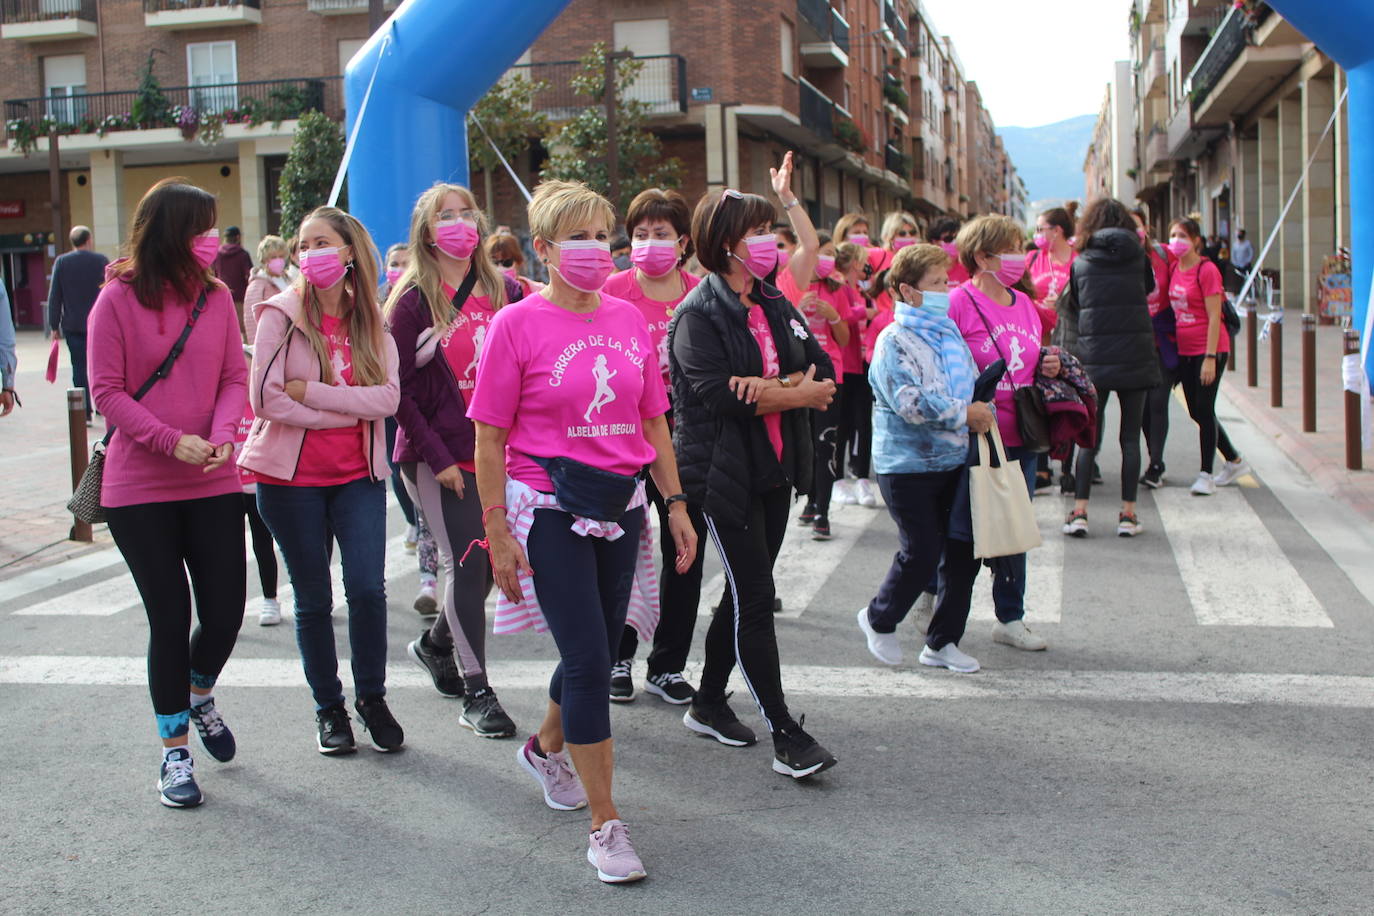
[1008,588]
[302,519]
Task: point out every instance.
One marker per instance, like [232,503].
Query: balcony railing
[342,7]
[839,30]
[184,107]
[817,111]
[1226,45]
[661,86]
[176,6]
[897,161]
[13,12]
[816,14]
[893,19]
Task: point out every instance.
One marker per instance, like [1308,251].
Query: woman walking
[324,378]
[171,495]
[922,377]
[745,371]
[1106,296]
[439,313]
[565,517]
[1195,294]
[1156,423]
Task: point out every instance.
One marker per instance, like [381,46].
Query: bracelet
[784,381]
[488,511]
[675,498]
[795,201]
[1209,356]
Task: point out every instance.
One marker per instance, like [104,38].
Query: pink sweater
[204,394]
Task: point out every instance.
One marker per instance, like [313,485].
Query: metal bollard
[76,435]
[1309,373]
[1354,458]
[1252,346]
[1276,362]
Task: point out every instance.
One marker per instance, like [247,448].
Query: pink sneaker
[562,789]
[610,851]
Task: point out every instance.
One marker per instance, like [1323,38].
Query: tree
[578,147]
[308,176]
[508,115]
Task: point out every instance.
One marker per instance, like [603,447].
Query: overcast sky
[1036,62]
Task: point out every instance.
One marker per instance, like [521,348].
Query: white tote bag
[1003,520]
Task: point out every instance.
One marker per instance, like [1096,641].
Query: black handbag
[1032,419]
[85,502]
[589,492]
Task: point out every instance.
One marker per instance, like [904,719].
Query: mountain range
[1050,158]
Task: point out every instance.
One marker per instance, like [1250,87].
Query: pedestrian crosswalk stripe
[841,682]
[1234,571]
[47,576]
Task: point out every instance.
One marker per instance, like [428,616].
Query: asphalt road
[1196,739]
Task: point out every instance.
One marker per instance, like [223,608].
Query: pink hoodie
[203,395]
[282,353]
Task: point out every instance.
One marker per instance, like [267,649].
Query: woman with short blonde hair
[273,274]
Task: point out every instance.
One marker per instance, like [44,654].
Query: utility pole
[612,128]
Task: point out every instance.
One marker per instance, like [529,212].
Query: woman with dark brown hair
[503,249]
[745,370]
[171,496]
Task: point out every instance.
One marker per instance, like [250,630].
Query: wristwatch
[784,381]
[675,498]
[1209,356]
[795,201]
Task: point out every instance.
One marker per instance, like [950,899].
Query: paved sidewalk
[35,467]
[1321,455]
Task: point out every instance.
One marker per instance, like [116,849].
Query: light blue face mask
[935,303]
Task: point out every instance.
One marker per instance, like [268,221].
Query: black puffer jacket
[722,447]
[1104,304]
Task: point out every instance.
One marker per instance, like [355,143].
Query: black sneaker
[440,665]
[718,720]
[1067,486]
[176,782]
[214,734]
[1097,474]
[1153,476]
[622,683]
[336,731]
[797,754]
[1044,482]
[380,725]
[820,529]
[808,515]
[777,605]
[670,687]
[483,714]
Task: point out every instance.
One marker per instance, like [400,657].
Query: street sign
[701,94]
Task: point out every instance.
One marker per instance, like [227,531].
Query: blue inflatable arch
[432,61]
[1344,29]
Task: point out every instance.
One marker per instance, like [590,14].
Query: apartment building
[1110,167]
[1230,104]
[247,69]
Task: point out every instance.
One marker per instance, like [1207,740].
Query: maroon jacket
[233,265]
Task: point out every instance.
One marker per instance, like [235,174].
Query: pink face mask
[950,249]
[392,274]
[784,256]
[322,267]
[763,255]
[656,257]
[1179,247]
[511,272]
[584,265]
[1041,241]
[825,266]
[456,238]
[205,247]
[1144,236]
[276,265]
[902,241]
[1012,269]
[858,238]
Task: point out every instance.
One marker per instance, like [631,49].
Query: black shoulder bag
[85,501]
[1032,419]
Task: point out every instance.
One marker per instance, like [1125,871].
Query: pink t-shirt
[1016,338]
[330,457]
[1188,290]
[569,385]
[1049,277]
[842,300]
[858,325]
[625,285]
[881,319]
[462,346]
[768,349]
[1163,266]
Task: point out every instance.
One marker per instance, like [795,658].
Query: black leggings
[856,426]
[1156,424]
[743,630]
[825,430]
[1202,407]
[162,542]
[1132,411]
[263,548]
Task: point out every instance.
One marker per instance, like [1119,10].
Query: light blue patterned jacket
[919,425]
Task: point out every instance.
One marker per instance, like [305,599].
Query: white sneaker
[883,646]
[925,612]
[1205,485]
[842,494]
[951,657]
[269,612]
[1231,471]
[1076,525]
[1017,635]
[863,493]
[412,539]
[427,600]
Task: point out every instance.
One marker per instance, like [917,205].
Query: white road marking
[1211,688]
[1044,570]
[32,581]
[1235,572]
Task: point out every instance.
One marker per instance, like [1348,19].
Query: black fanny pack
[589,492]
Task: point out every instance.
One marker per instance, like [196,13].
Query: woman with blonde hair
[439,313]
[569,408]
[274,274]
[323,380]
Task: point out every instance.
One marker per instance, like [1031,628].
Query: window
[64,76]
[213,64]
[347,48]
[846,98]
[654,84]
[786,43]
